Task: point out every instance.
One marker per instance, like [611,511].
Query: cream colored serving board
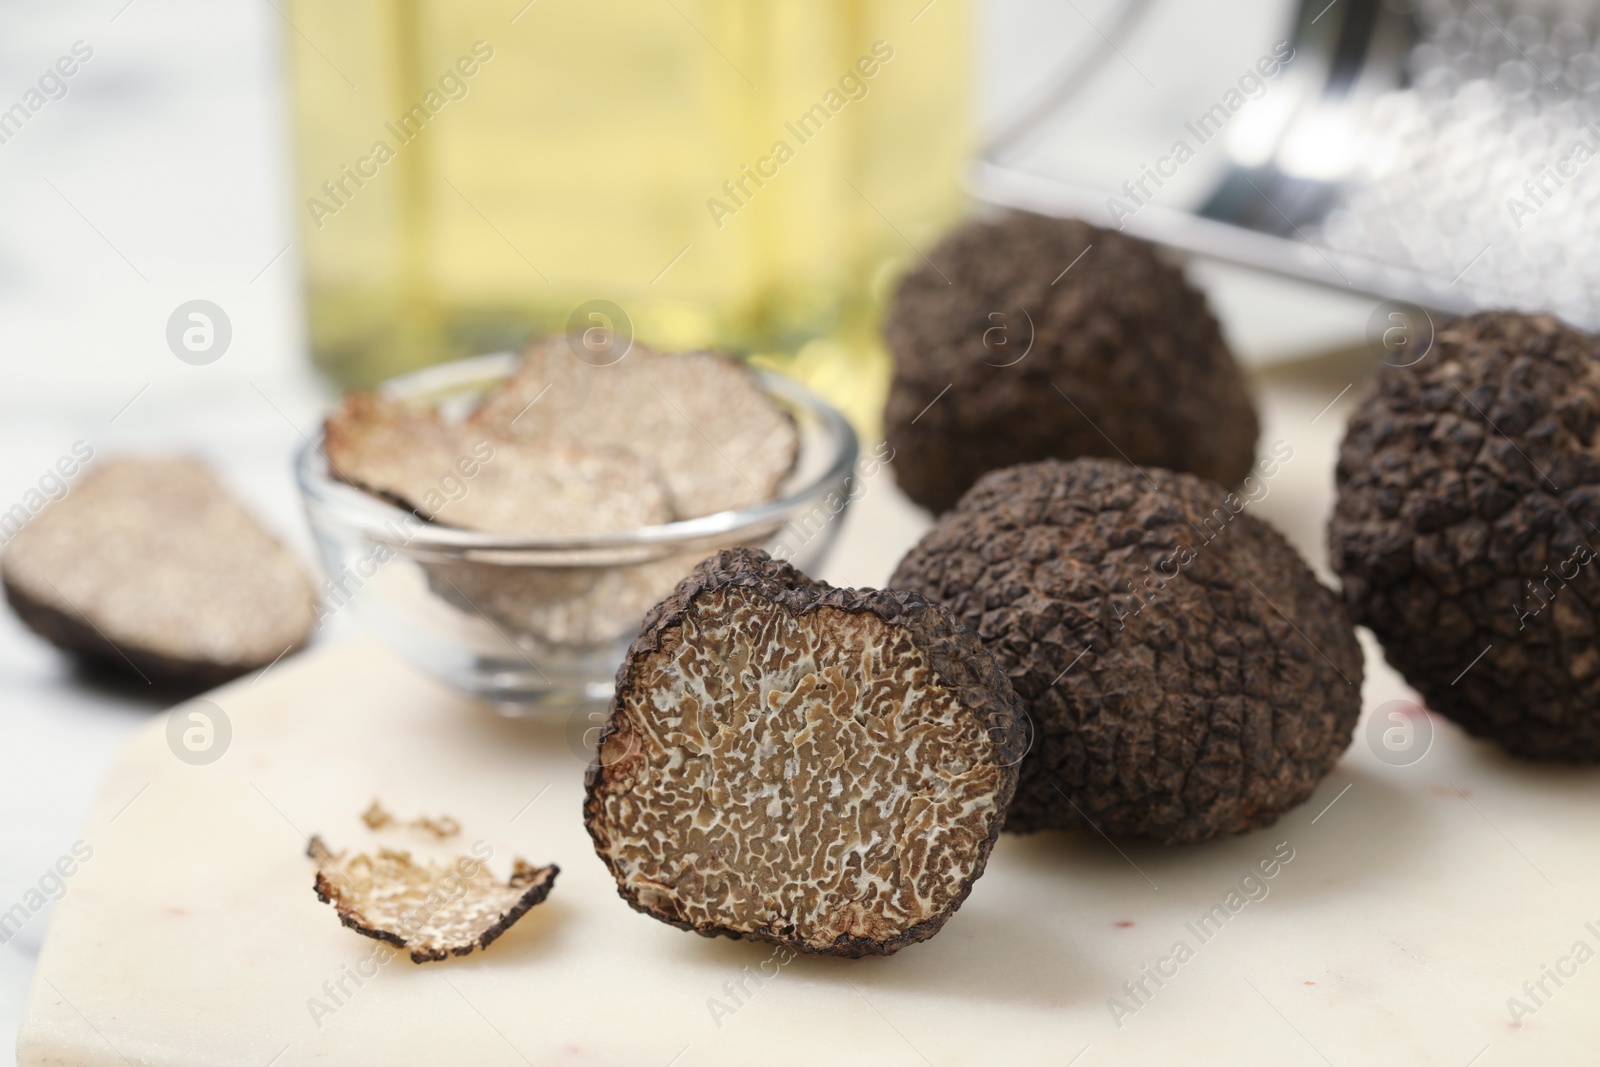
[1408,913]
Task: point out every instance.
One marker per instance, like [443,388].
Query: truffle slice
[701,420]
[1186,675]
[784,761]
[464,476]
[1467,525]
[434,911]
[1003,355]
[553,608]
[149,565]
[469,476]
[378,818]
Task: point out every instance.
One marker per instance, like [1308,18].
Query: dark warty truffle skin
[1125,360]
[1185,674]
[1467,526]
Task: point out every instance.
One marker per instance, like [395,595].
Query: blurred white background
[158,178]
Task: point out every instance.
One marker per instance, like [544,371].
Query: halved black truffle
[1186,675]
[149,566]
[1008,347]
[821,768]
[1467,523]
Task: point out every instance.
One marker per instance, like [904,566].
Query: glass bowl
[532,623]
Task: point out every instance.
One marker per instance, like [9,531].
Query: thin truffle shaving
[434,911]
[700,420]
[464,476]
[377,818]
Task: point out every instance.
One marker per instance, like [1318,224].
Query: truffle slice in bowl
[460,475]
[820,768]
[698,418]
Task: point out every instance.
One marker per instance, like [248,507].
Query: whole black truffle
[1469,496]
[826,769]
[1186,675]
[1003,355]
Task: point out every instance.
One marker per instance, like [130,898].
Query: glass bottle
[746,174]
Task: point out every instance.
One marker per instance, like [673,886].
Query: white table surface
[162,177]
[1415,899]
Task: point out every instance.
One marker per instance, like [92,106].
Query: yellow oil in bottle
[736,173]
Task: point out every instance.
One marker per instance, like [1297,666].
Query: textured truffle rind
[1186,675]
[1466,524]
[1123,349]
[958,677]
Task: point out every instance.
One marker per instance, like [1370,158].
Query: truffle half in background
[1003,355]
[821,768]
[1186,675]
[1466,528]
[150,567]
